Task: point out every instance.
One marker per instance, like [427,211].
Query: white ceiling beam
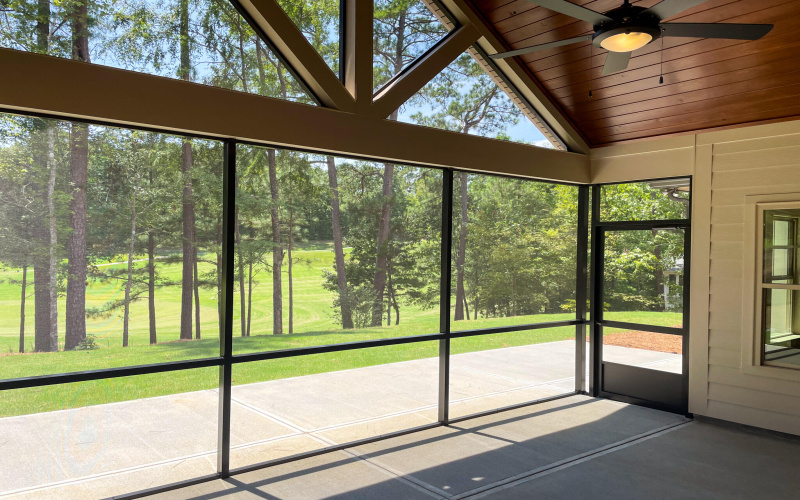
[420,72]
[110,95]
[304,59]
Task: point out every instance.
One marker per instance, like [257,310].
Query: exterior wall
[732,171]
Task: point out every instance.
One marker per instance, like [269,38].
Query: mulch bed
[649,341]
[660,342]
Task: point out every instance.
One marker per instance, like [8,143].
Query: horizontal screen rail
[669,330]
[125,371]
[105,373]
[632,225]
[515,328]
[366,344]
[322,349]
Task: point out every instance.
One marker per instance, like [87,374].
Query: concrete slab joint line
[491,489]
[408,479]
[479,380]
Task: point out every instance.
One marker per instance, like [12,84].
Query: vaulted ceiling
[707,83]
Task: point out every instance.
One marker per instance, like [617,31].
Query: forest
[110,239]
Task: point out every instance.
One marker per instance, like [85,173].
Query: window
[318,20]
[95,251]
[122,251]
[640,201]
[779,288]
[469,97]
[202,42]
[403,31]
[514,252]
[339,251]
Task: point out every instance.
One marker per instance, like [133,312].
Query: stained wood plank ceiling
[707,83]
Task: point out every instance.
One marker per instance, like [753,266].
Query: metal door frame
[597,322]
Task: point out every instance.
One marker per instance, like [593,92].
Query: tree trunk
[242,294]
[196,298]
[42,304]
[53,229]
[396,308]
[189,250]
[384,226]
[338,249]
[22,309]
[277,251]
[219,272]
[41,291]
[466,306]
[42,28]
[75,331]
[389,296]
[189,255]
[151,286]
[127,311]
[392,296]
[462,249]
[659,272]
[250,289]
[289,266]
[76,273]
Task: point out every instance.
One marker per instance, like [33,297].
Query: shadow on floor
[446,462]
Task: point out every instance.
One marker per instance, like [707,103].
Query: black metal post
[687,272]
[226,327]
[444,296]
[581,290]
[596,296]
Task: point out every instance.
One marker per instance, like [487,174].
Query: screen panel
[109,247]
[109,437]
[321,400]
[488,372]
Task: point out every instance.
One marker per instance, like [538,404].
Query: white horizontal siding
[752,167]
[732,376]
[749,146]
[754,416]
[742,163]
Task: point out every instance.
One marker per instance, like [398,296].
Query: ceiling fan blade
[720,30]
[572,10]
[668,8]
[616,61]
[534,48]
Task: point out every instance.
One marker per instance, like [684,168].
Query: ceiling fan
[629,27]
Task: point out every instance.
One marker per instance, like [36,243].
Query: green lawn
[314,325]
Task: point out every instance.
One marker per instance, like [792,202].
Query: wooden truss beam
[357,53]
[110,95]
[299,53]
[519,76]
[423,70]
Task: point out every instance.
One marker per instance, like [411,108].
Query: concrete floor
[117,448]
[573,448]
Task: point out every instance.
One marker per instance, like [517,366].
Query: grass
[314,325]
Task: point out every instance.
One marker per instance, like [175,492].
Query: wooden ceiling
[707,83]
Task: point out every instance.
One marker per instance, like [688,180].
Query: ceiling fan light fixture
[626,42]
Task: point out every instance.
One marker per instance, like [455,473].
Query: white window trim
[755,205]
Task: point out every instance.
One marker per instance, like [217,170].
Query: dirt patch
[660,342]
[649,341]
